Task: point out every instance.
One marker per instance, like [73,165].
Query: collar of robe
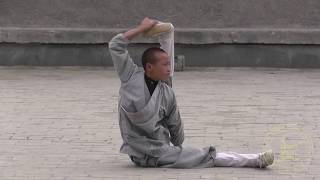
[151,84]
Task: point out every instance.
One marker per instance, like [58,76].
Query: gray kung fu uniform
[150,125]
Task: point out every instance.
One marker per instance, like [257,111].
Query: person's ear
[148,66]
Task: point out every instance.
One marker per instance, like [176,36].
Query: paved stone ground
[61,123]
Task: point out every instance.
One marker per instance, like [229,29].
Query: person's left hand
[147,24]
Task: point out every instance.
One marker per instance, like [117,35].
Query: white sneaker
[265,159]
[158,29]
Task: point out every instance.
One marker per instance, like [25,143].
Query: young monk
[149,119]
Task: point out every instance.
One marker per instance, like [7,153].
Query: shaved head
[149,56]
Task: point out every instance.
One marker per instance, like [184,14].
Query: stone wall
[276,33]
[196,22]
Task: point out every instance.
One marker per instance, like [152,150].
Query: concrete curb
[182,36]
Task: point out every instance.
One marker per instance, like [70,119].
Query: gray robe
[148,124]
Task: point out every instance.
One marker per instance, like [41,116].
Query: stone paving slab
[61,122]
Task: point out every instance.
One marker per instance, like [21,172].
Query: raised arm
[145,25]
[122,61]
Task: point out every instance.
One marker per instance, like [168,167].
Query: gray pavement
[61,122]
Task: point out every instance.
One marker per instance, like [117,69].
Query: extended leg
[166,41]
[232,159]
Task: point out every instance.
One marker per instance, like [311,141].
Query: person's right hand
[147,24]
[144,26]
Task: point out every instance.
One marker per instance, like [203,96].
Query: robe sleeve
[175,125]
[122,61]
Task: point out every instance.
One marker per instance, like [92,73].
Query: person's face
[160,70]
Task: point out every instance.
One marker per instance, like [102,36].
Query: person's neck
[150,77]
